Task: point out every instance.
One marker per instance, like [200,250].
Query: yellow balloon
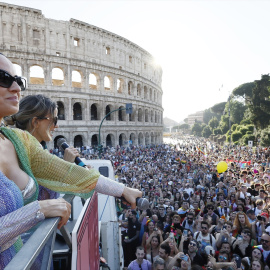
[222,167]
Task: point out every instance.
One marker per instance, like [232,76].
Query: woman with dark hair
[243,245]
[38,115]
[24,164]
[256,255]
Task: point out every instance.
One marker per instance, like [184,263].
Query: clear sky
[200,45]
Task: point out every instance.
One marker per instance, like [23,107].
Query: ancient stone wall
[89,72]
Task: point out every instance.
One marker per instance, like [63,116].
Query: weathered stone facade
[112,71]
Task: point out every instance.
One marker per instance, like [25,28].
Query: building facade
[89,72]
[192,118]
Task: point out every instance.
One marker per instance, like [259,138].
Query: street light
[128,111]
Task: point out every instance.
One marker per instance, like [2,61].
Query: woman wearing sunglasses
[24,164]
[38,115]
[242,246]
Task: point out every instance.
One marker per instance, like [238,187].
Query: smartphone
[238,261]
[185,258]
[185,233]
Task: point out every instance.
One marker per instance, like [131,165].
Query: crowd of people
[198,218]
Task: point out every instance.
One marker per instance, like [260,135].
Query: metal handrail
[38,240]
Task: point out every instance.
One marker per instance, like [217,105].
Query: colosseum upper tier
[89,72]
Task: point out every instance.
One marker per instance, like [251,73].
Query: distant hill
[167,122]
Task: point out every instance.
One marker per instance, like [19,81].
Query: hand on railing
[56,208]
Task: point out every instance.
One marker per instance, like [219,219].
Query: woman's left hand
[70,154]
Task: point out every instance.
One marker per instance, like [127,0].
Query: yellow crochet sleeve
[57,174]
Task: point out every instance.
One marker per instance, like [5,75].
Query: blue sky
[201,45]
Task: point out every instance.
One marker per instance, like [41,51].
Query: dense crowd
[198,218]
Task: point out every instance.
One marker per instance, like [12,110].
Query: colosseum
[89,72]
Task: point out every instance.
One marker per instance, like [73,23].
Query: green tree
[244,90]
[236,136]
[206,132]
[217,131]
[259,103]
[265,137]
[197,129]
[218,108]
[208,115]
[213,123]
[184,126]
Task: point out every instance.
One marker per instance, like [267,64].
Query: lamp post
[128,111]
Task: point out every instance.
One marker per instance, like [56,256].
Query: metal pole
[99,145]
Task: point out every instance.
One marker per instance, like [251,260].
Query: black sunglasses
[55,119]
[6,80]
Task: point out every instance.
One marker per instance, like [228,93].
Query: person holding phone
[242,246]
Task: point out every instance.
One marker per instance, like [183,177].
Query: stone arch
[110,140]
[76,78]
[94,140]
[130,87]
[145,92]
[154,97]
[152,138]
[131,117]
[132,138]
[122,114]
[61,110]
[140,115]
[108,109]
[37,74]
[93,81]
[18,69]
[146,116]
[152,116]
[57,76]
[120,85]
[150,94]
[122,139]
[139,90]
[78,141]
[140,138]
[147,138]
[77,111]
[94,112]
[108,82]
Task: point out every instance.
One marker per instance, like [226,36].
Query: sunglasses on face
[55,119]
[222,257]
[192,244]
[247,233]
[264,241]
[6,80]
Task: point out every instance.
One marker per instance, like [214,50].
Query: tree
[236,135]
[218,108]
[184,126]
[259,105]
[244,90]
[208,115]
[213,123]
[237,110]
[197,129]
[206,132]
